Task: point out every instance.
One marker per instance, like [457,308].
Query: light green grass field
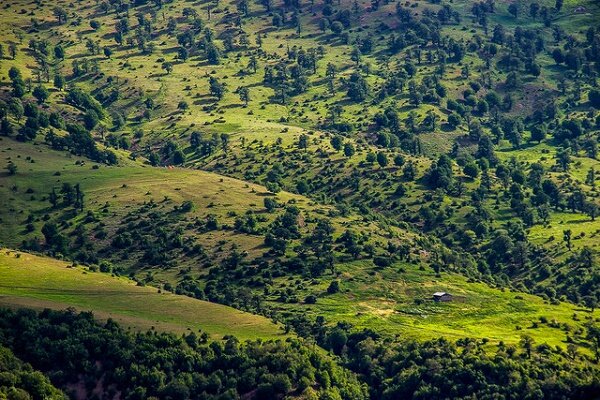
[40,282]
[400,303]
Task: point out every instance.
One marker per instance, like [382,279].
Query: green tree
[527,343]
[349,149]
[382,159]
[12,168]
[244,94]
[567,238]
[41,94]
[168,67]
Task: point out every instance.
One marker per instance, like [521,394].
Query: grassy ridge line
[41,282]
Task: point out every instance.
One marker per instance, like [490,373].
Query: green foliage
[164,365]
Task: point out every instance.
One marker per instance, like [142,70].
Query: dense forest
[105,360]
[324,167]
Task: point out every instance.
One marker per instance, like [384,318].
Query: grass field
[40,282]
[398,301]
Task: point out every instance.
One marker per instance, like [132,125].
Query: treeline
[73,349]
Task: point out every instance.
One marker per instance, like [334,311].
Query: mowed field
[40,282]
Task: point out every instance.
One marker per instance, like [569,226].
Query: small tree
[41,94]
[527,344]
[303,141]
[12,168]
[244,94]
[567,238]
[334,287]
[471,170]
[513,9]
[168,67]
[382,159]
[59,81]
[216,88]
[349,150]
[594,98]
[60,14]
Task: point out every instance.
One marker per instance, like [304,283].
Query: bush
[310,299]
[334,287]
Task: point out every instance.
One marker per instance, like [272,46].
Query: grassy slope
[445,319]
[123,188]
[41,282]
[381,300]
[127,187]
[397,300]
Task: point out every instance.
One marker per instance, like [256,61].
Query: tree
[471,170]
[337,340]
[534,9]
[14,73]
[167,66]
[563,158]
[302,187]
[593,335]
[399,160]
[358,88]
[349,150]
[59,52]
[400,190]
[178,157]
[213,54]
[243,8]
[12,49]
[183,53]
[591,209]
[356,55]
[513,9]
[216,88]
[336,142]
[90,119]
[454,120]
[567,238]
[558,5]
[527,343]
[594,98]
[336,27]
[12,168]
[59,81]
[538,132]
[303,141]
[41,94]
[60,14]
[382,159]
[334,287]
[409,171]
[107,52]
[244,94]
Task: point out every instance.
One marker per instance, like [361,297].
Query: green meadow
[398,301]
[40,282]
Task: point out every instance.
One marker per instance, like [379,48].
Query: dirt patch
[380,308]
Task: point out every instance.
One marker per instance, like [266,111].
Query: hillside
[319,169]
[40,282]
